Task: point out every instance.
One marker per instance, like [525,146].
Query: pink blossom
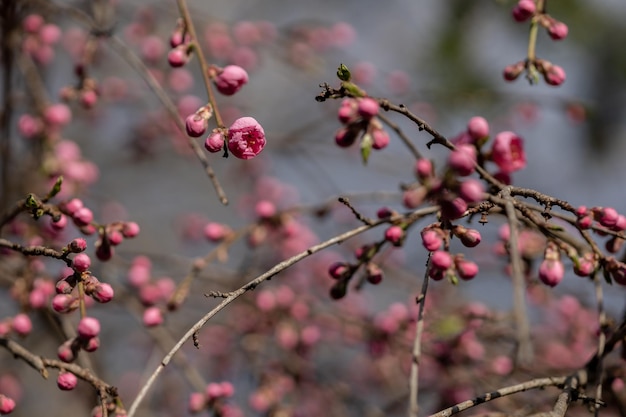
[380,139]
[7,404]
[551,271]
[231,79]
[88,327]
[431,240]
[152,316]
[472,190]
[441,260]
[558,30]
[67,381]
[246,138]
[463,159]
[508,152]
[554,75]
[368,108]
[394,234]
[214,142]
[22,324]
[478,127]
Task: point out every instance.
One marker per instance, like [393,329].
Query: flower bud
[88,327]
[67,381]
[231,79]
[246,138]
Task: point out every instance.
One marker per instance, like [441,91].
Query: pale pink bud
[60,224]
[215,232]
[214,390]
[58,115]
[246,138]
[115,237]
[103,293]
[266,300]
[380,139]
[81,262]
[178,56]
[463,159]
[130,229]
[65,352]
[231,79]
[22,325]
[469,237]
[29,126]
[431,240]
[465,269]
[7,404]
[551,272]
[606,216]
[524,10]
[50,34]
[77,245]
[88,98]
[72,206]
[88,327]
[367,108]
[585,266]
[83,216]
[152,316]
[414,197]
[92,344]
[347,112]
[554,75]
[197,402]
[67,381]
[64,303]
[395,235]
[558,30]
[214,142]
[478,127]
[32,23]
[265,209]
[472,190]
[441,260]
[424,168]
[196,125]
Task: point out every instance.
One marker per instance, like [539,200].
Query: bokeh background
[451,53]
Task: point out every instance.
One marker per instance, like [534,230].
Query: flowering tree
[348,306]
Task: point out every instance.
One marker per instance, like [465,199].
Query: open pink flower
[508,152]
[246,138]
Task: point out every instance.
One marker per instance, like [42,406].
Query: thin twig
[524,352]
[249,286]
[417,345]
[502,392]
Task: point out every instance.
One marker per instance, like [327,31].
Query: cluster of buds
[453,193]
[443,264]
[20,324]
[86,93]
[40,38]
[358,115]
[112,235]
[151,292]
[87,339]
[212,398]
[180,42]
[552,74]
[245,138]
[527,9]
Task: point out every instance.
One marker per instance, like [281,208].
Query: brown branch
[502,392]
[417,345]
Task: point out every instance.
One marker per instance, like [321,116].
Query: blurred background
[442,59]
